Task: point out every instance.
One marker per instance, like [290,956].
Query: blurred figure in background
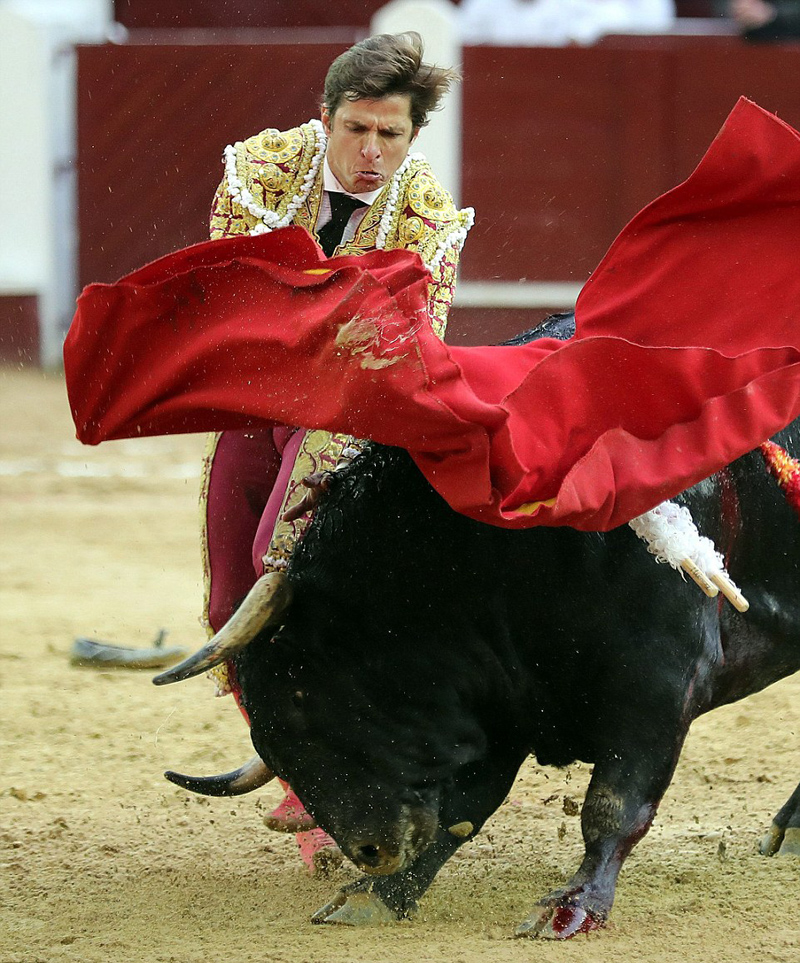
[556,23]
[763,22]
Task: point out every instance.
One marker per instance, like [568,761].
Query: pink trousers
[247,483]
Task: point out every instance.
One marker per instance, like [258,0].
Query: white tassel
[672,536]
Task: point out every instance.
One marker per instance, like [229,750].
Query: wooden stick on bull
[672,536]
[697,575]
[731,592]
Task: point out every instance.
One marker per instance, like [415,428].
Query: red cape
[687,351]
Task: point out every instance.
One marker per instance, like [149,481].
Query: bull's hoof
[558,923]
[355,907]
[781,842]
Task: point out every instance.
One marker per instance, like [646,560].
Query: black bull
[425,656]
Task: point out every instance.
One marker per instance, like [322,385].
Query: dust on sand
[102,860]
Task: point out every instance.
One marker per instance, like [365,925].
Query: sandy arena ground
[102,860]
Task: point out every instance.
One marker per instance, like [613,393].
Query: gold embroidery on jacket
[273,165]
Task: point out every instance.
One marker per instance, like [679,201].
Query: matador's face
[368,140]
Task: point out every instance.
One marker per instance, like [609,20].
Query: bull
[423,656]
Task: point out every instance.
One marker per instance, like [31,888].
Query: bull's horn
[263,605]
[250,776]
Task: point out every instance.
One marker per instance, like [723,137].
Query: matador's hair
[384,65]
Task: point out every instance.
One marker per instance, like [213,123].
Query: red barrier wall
[561,146]
[235,14]
[19,329]
[152,125]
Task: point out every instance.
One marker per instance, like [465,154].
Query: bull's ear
[246,778]
[263,605]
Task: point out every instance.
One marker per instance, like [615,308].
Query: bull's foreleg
[620,804]
[783,836]
[386,899]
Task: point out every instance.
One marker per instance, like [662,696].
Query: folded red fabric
[686,355]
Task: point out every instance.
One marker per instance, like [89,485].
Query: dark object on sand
[104,655]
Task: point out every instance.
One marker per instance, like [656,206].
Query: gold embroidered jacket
[275,178]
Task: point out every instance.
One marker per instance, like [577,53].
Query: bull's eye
[297,699]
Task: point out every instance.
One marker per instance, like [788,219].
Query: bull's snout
[389,848]
[375,858]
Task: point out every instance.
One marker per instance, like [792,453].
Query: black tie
[342,206]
